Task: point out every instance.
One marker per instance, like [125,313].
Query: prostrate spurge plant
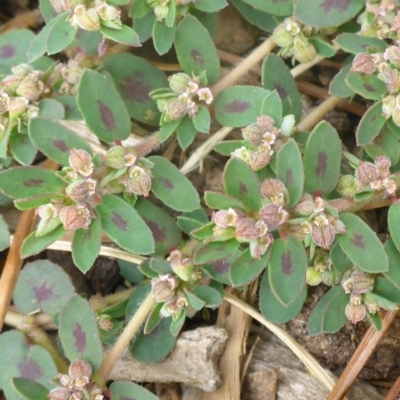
[290,196]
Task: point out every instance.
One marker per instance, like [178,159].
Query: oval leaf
[125,35]
[355,43]
[367,86]
[130,391]
[14,46]
[214,251]
[274,7]
[370,125]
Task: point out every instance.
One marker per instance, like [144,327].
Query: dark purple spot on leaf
[135,88]
[107,116]
[281,91]
[60,144]
[221,266]
[340,5]
[80,338]
[119,221]
[242,188]
[167,183]
[357,240]
[286,263]
[44,293]
[158,232]
[7,51]
[321,166]
[34,183]
[289,177]
[237,107]
[369,87]
[197,57]
[30,369]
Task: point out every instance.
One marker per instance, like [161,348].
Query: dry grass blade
[394,391]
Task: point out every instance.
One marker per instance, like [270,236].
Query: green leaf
[144,26]
[362,245]
[33,202]
[33,244]
[393,222]
[135,78]
[202,120]
[380,301]
[213,251]
[338,86]
[51,109]
[238,106]
[4,235]
[145,269]
[22,182]
[153,319]
[14,46]
[211,6]
[42,285]
[328,316]
[247,268]
[222,201]
[194,301]
[22,148]
[86,245]
[29,389]
[78,332]
[321,46]
[204,232]
[272,106]
[384,288]
[289,170]
[102,107]
[241,181]
[280,7]
[367,86]
[163,37]
[322,158]
[370,125]
[55,140]
[125,35]
[70,108]
[168,129]
[186,132]
[162,267]
[177,324]
[218,270]
[354,43]
[130,391]
[339,259]
[273,310]
[165,232]
[124,226]
[375,320]
[139,9]
[288,264]
[195,49]
[130,271]
[211,297]
[276,76]
[326,13]
[172,187]
[192,220]
[227,147]
[393,254]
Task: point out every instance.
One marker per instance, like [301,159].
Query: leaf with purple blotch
[42,285]
[276,76]
[212,251]
[195,49]
[222,201]
[78,332]
[386,143]
[126,35]
[338,86]
[327,13]
[287,268]
[86,245]
[130,391]
[123,224]
[186,132]
[23,182]
[23,360]
[135,78]
[272,106]
[322,159]
[370,125]
[329,314]
[247,268]
[211,6]
[218,270]
[21,147]
[272,309]
[274,7]
[166,233]
[163,36]
[239,106]
[227,147]
[55,140]
[290,170]
[14,46]
[368,86]
[172,187]
[71,109]
[361,245]
[29,389]
[102,107]
[354,43]
[241,181]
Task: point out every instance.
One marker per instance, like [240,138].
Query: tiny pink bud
[104,322]
[305,206]
[363,63]
[81,191]
[246,230]
[17,105]
[59,393]
[266,123]
[273,189]
[253,134]
[355,312]
[323,235]
[383,163]
[175,109]
[139,182]
[259,247]
[205,95]
[81,161]
[392,79]
[224,219]
[271,215]
[362,283]
[4,100]
[367,173]
[30,88]
[88,20]
[163,288]
[259,158]
[97,302]
[75,217]
[79,368]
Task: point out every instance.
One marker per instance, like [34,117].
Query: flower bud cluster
[163,7]
[358,284]
[183,98]
[261,139]
[293,38]
[76,385]
[322,270]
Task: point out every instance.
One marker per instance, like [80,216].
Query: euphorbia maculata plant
[288,210]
